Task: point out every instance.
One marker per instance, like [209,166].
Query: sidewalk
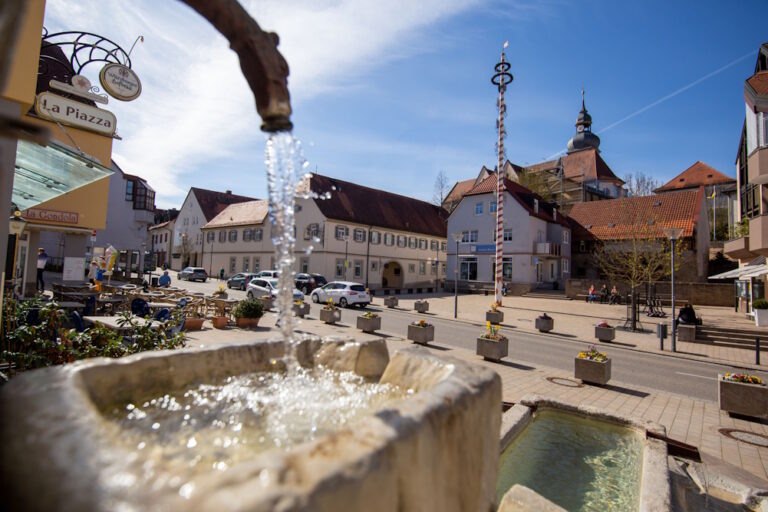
[695,422]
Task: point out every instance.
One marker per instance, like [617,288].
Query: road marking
[694,375]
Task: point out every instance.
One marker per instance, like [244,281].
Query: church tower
[584,138]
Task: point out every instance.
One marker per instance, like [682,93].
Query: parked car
[258,287]
[269,273]
[343,293]
[193,274]
[240,281]
[308,282]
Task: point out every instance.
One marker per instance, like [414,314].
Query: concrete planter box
[421,335]
[495,318]
[544,324]
[605,333]
[742,398]
[421,306]
[301,310]
[390,302]
[247,323]
[686,332]
[593,372]
[330,316]
[761,317]
[492,350]
[219,322]
[369,324]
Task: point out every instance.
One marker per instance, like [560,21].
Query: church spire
[584,138]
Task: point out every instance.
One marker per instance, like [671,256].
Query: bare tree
[538,183]
[442,188]
[640,184]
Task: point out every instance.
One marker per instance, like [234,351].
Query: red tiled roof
[584,165]
[355,203]
[459,189]
[640,217]
[523,196]
[213,203]
[759,82]
[697,175]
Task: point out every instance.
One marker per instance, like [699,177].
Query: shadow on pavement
[626,391]
[561,334]
[516,366]
[617,343]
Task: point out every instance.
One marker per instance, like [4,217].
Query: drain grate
[745,437]
[562,381]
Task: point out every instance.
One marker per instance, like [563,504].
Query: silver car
[343,293]
[261,286]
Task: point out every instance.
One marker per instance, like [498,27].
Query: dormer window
[535,206]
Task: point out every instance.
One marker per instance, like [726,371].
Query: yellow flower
[488,324]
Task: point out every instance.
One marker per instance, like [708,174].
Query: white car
[261,286]
[343,293]
[268,274]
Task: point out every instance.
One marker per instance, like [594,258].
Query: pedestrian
[221,274]
[92,272]
[42,261]
[165,280]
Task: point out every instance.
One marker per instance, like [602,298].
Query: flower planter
[594,372]
[193,323]
[369,324]
[219,322]
[421,306]
[544,324]
[494,317]
[330,316]
[390,302]
[742,398]
[492,350]
[301,310]
[421,335]
[247,323]
[761,317]
[605,333]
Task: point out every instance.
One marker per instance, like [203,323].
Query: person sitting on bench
[604,294]
[687,315]
[592,294]
[614,295]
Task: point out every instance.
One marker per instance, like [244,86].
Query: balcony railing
[548,248]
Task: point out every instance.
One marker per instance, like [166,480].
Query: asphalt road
[691,378]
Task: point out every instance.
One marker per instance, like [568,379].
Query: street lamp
[457,237]
[673,234]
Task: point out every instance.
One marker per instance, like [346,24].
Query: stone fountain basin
[655,493]
[436,449]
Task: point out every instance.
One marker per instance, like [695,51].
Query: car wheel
[343,302]
[316,298]
[229,285]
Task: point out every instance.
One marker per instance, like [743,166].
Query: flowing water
[581,464]
[180,434]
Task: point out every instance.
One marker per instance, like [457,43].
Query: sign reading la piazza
[74,113]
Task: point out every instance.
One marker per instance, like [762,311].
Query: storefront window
[468,271]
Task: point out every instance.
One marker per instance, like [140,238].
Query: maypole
[500,79]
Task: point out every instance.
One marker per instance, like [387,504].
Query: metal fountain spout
[262,64]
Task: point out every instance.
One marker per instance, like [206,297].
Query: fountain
[299,423]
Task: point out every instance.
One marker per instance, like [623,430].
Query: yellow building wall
[90,203]
[92,144]
[22,79]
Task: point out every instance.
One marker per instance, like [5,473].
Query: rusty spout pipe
[262,64]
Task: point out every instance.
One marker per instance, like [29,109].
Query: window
[258,234]
[232,265]
[444,246]
[566,266]
[551,270]
[256,264]
[412,268]
[412,243]
[492,207]
[402,241]
[374,266]
[312,231]
[358,269]
[389,239]
[507,234]
[478,208]
[468,269]
[582,246]
[246,265]
[506,268]
[210,236]
[247,236]
[422,267]
[342,232]
[304,265]
[473,235]
[222,236]
[375,238]
[129,190]
[166,238]
[233,235]
[339,268]
[359,235]
[433,268]
[433,245]
[464,236]
[423,244]
[566,236]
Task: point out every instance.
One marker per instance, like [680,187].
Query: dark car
[193,274]
[240,281]
[308,282]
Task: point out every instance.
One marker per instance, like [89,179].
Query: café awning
[45,172]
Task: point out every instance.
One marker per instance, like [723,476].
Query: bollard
[661,332]
[757,349]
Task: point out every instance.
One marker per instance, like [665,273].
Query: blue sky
[387,94]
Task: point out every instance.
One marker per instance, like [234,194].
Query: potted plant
[421,332]
[391,302]
[544,323]
[330,314]
[739,393]
[492,345]
[369,322]
[219,322]
[247,313]
[493,315]
[592,366]
[300,308]
[220,292]
[193,321]
[605,332]
[421,306]
[760,307]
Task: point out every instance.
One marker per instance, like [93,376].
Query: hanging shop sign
[120,82]
[80,86]
[74,113]
[51,216]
